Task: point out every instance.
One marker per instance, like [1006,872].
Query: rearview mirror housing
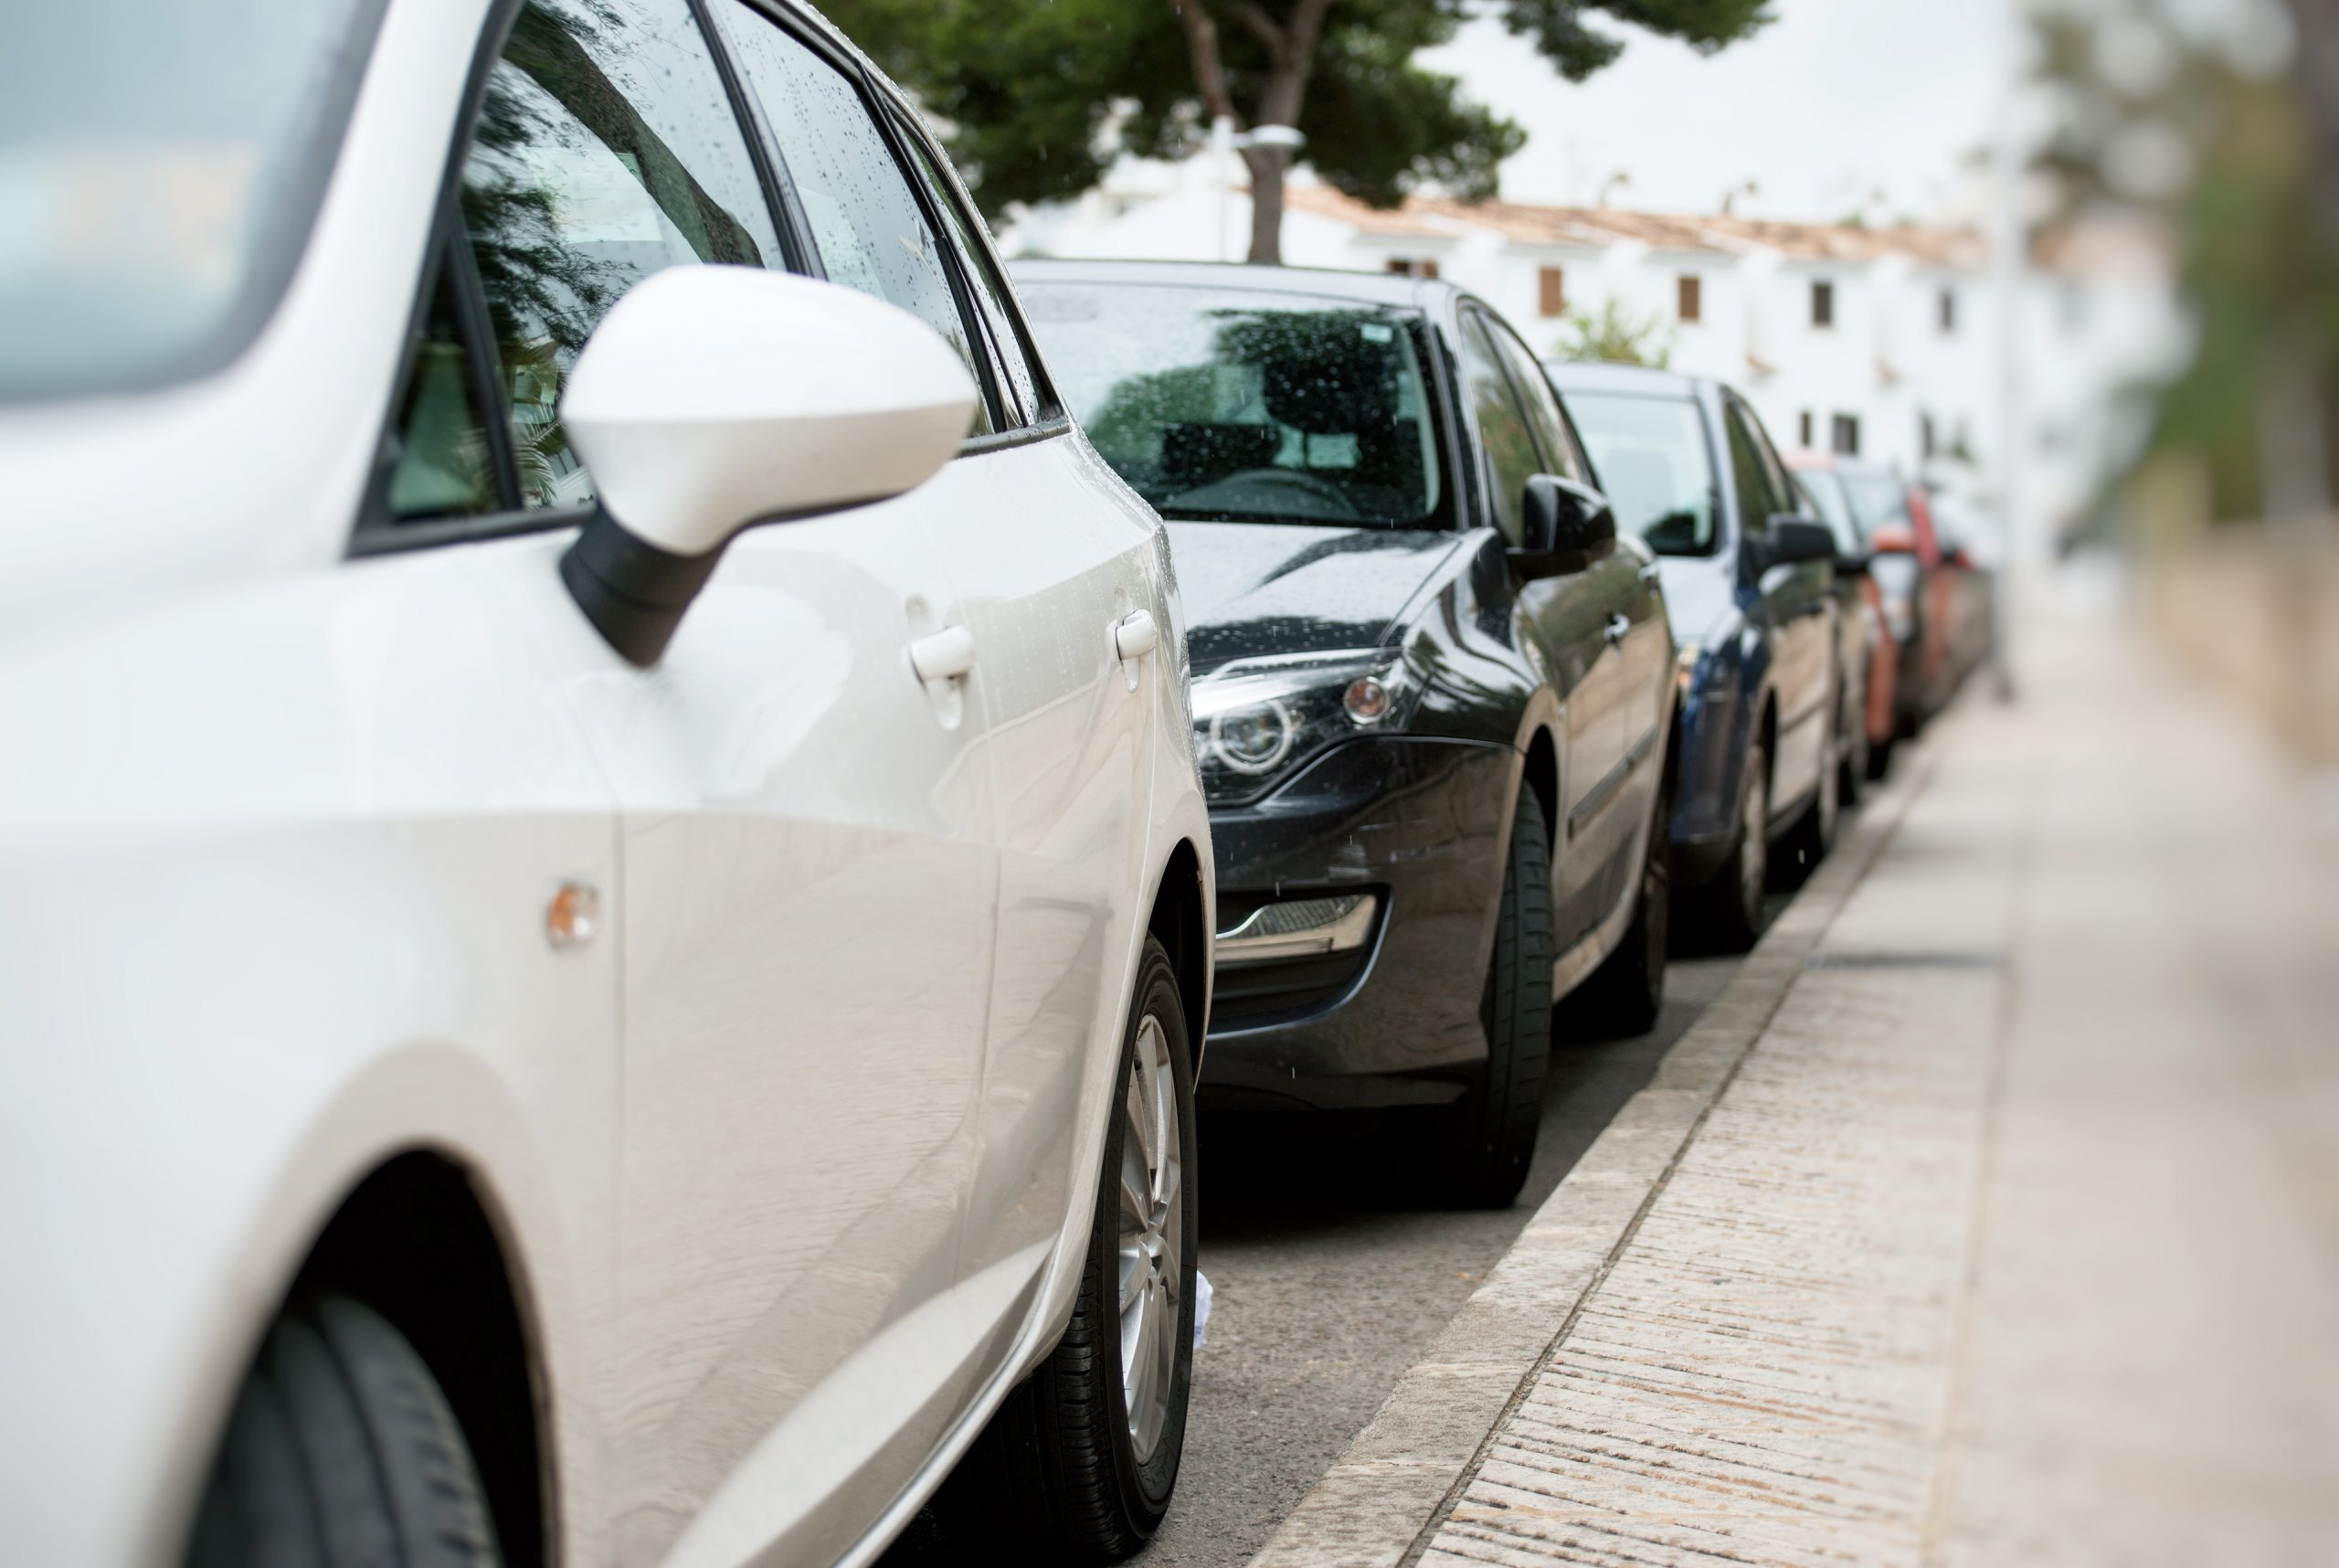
[1563,527]
[710,398]
[1795,540]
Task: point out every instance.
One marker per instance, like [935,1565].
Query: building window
[1411,267]
[1848,435]
[1823,305]
[1691,299]
[1805,428]
[1948,311]
[1551,290]
[1927,439]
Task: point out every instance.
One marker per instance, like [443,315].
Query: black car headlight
[1256,721]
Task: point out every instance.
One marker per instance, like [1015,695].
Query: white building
[1880,342]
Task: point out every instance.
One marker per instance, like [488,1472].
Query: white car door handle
[1619,627]
[1134,635]
[944,655]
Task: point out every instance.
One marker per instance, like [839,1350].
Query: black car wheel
[1079,1463]
[1627,992]
[1815,830]
[341,1451]
[1852,774]
[1476,1157]
[1731,907]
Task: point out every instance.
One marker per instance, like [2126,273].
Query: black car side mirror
[1563,527]
[1791,541]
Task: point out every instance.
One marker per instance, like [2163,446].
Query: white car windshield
[161,163]
[1235,406]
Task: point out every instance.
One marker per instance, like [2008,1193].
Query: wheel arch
[1179,921]
[421,1241]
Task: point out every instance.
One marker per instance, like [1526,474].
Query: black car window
[606,151]
[1759,496]
[1542,404]
[1509,440]
[865,220]
[1248,405]
[1656,467]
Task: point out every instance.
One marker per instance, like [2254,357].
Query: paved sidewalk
[2015,1237]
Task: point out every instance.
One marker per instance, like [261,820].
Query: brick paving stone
[2016,1237]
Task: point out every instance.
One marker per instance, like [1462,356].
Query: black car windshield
[1233,406]
[160,162]
[1656,467]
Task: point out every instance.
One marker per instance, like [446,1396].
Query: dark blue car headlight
[1257,721]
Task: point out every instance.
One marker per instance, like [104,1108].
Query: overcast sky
[1836,100]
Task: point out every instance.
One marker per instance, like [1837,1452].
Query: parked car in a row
[1772,669]
[1932,568]
[605,903]
[1432,690]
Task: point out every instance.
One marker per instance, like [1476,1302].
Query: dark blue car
[1766,723]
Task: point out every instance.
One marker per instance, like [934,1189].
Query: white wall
[1885,359]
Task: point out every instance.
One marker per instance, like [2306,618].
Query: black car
[1766,718]
[1431,690]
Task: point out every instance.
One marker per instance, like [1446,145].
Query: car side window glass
[1502,427]
[989,290]
[865,221]
[1758,499]
[1543,414]
[444,468]
[607,150]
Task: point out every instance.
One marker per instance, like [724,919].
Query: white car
[539,1022]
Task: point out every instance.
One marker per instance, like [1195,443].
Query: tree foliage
[1040,96]
[1613,335]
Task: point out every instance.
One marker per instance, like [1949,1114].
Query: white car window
[865,221]
[606,151]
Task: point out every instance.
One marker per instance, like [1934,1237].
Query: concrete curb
[1379,1505]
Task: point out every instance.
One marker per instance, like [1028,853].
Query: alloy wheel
[1151,1244]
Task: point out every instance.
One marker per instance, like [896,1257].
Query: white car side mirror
[714,397]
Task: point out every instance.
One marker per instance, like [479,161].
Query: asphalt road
[1329,1281]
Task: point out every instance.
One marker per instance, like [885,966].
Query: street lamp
[1225,141]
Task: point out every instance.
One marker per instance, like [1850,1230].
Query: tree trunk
[1266,166]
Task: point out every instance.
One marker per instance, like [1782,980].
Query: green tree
[1041,95]
[1614,336]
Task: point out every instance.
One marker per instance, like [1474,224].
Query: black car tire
[1055,1477]
[1481,1147]
[341,1451]
[1851,780]
[1731,909]
[1625,994]
[1814,835]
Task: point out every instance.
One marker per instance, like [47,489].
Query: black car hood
[1257,588]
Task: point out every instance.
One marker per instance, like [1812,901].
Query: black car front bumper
[1420,825]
